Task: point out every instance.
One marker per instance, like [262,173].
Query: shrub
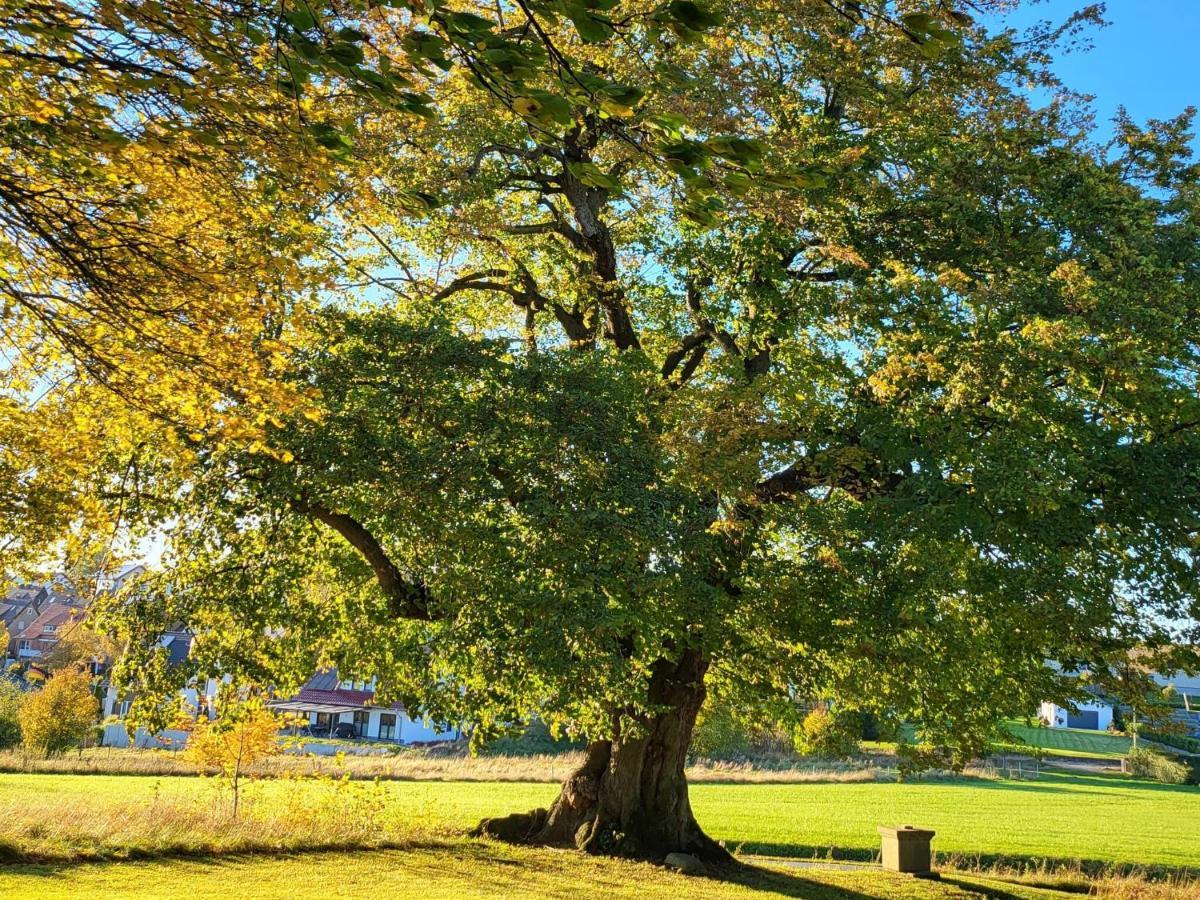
[1158,766]
[245,732]
[719,734]
[60,715]
[11,696]
[827,734]
[1178,741]
[535,740]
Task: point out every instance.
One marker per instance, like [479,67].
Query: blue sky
[1147,59]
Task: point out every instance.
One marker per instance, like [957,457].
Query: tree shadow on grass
[788,884]
[973,861]
[489,867]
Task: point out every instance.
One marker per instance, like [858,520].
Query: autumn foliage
[244,732]
[61,714]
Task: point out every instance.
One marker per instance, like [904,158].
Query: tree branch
[406,599]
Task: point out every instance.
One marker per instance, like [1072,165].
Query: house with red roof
[340,708]
[40,635]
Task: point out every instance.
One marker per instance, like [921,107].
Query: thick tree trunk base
[629,798]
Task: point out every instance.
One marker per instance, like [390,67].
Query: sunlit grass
[1061,818]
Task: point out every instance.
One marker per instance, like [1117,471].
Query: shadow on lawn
[974,861]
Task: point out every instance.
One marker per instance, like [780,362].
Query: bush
[11,696]
[535,740]
[245,732]
[828,735]
[719,734]
[1158,766]
[59,716]
[1178,741]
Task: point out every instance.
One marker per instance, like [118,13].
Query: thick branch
[826,469]
[406,599]
[688,345]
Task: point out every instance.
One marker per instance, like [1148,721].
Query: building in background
[339,708]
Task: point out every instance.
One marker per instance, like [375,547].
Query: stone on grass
[685,863]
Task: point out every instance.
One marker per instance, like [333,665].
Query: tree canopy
[622,349]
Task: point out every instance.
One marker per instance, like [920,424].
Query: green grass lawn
[470,869]
[1071,741]
[1057,817]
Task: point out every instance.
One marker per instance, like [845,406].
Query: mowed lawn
[1071,741]
[470,869]
[1095,819]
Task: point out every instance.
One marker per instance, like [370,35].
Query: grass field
[468,869]
[1071,741]
[1058,818]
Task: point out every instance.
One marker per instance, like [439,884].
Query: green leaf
[544,107]
[300,18]
[918,22]
[346,54]
[591,28]
[468,25]
[691,16]
[329,136]
[425,45]
[593,176]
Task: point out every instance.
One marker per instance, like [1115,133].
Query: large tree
[800,356]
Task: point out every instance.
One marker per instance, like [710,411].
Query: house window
[361,717]
[387,726]
[324,723]
[24,645]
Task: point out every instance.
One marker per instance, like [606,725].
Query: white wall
[1058,716]
[406,730]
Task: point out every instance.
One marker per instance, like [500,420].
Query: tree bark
[630,796]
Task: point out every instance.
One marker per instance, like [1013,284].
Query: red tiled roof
[55,614]
[343,696]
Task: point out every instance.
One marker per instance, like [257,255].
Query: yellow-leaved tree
[60,715]
[245,731]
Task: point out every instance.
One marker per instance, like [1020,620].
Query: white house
[338,708]
[197,699]
[1094,715]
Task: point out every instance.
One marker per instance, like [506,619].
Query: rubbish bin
[906,849]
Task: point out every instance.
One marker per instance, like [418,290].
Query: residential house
[58,614]
[19,607]
[196,700]
[1095,715]
[337,707]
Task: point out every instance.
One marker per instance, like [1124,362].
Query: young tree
[60,715]
[244,732]
[79,646]
[803,353]
[11,697]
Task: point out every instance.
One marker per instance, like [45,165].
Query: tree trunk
[630,796]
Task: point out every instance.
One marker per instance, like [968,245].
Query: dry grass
[326,815]
[426,765]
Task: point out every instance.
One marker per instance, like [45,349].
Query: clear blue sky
[1147,59]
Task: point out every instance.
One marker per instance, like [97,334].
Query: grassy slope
[467,869]
[1059,817]
[1071,741]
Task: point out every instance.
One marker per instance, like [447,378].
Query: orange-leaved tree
[245,731]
